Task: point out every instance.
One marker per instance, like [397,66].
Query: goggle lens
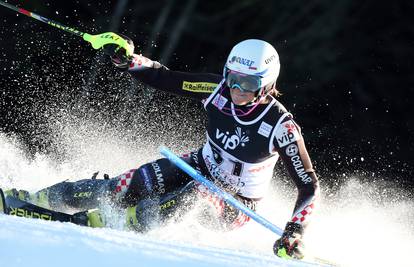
[243,82]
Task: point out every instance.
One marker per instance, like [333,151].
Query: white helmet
[255,59]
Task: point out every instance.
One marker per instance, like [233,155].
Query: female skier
[247,131]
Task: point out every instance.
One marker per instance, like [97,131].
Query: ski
[14,206]
[2,203]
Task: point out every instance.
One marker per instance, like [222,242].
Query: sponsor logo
[110,36]
[300,171]
[260,168]
[233,141]
[29,214]
[65,28]
[228,182]
[147,179]
[219,101]
[82,195]
[290,127]
[292,150]
[242,61]
[168,204]
[265,129]
[287,133]
[199,87]
[270,59]
[160,179]
[215,171]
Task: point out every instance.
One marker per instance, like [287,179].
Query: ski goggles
[243,82]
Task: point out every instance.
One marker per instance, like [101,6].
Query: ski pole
[224,195]
[97,41]
[230,199]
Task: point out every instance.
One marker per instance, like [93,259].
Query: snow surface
[29,242]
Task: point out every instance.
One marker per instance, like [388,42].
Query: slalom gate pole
[97,41]
[215,189]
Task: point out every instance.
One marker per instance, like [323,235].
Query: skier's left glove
[118,54]
[290,245]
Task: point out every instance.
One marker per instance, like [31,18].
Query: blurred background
[345,74]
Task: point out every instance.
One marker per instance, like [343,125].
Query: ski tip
[3,207]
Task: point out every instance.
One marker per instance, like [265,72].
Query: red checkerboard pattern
[240,220]
[219,204]
[302,215]
[123,182]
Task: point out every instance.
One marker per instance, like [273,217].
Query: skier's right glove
[118,54]
[290,245]
[140,63]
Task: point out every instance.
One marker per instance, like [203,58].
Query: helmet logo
[270,59]
[243,61]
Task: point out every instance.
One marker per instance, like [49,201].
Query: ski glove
[140,63]
[290,245]
[118,54]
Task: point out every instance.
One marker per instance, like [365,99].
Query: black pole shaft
[43,19]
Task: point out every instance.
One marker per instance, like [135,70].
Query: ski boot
[40,198]
[92,218]
[149,214]
[144,216]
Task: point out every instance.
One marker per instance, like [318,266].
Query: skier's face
[241,98]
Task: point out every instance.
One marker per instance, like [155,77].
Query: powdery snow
[29,242]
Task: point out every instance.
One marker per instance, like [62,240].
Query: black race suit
[239,155]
